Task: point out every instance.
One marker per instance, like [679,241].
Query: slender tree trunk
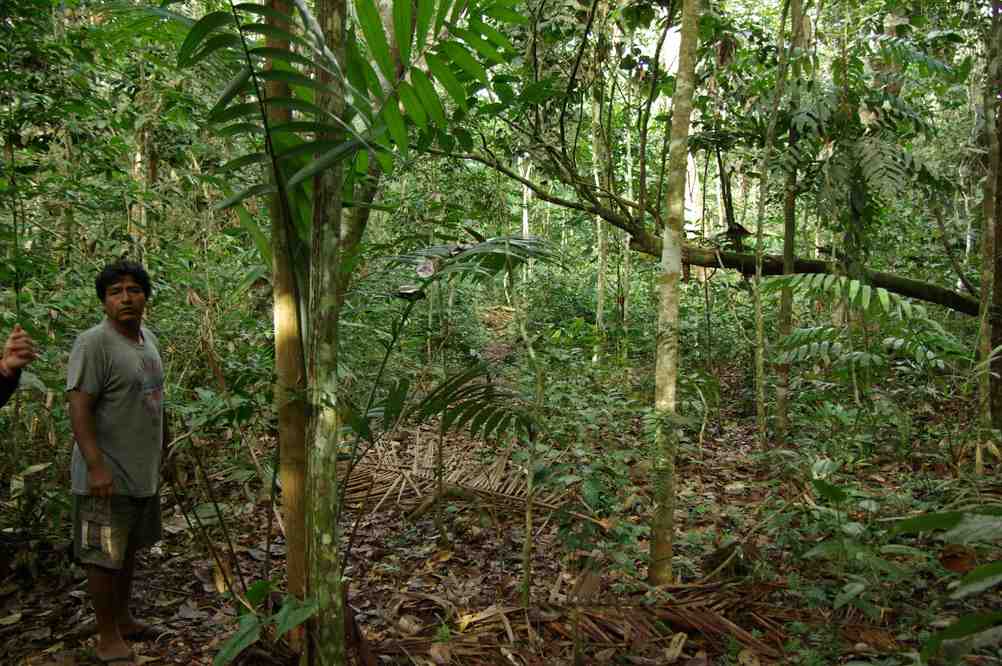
[760,411]
[988,237]
[323,519]
[290,372]
[667,352]
[789,245]
[600,166]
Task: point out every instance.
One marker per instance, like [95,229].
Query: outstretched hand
[18,352]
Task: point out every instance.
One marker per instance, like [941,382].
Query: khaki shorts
[105,528]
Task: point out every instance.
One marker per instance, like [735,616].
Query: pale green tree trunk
[600,168]
[323,516]
[789,246]
[666,372]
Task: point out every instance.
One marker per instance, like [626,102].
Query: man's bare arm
[99,479]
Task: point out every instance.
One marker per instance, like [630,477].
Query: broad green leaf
[260,240]
[296,104]
[375,38]
[394,406]
[402,13]
[425,13]
[265,11]
[864,301]
[491,33]
[213,44]
[292,78]
[904,551]
[458,54]
[481,45]
[967,625]
[239,128]
[853,290]
[252,191]
[233,88]
[258,592]
[830,492]
[885,299]
[395,123]
[356,74]
[284,55]
[242,161]
[385,160]
[828,549]
[492,424]
[979,580]
[413,106]
[425,90]
[300,148]
[928,522]
[294,612]
[248,633]
[440,70]
[848,593]
[506,15]
[198,32]
[235,111]
[296,126]
[325,161]
[278,34]
[976,527]
[442,14]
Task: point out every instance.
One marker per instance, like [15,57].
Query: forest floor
[746,594]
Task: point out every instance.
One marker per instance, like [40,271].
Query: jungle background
[521,332]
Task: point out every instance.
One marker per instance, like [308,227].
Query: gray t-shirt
[127,379]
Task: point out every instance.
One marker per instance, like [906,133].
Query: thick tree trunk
[667,352]
[290,379]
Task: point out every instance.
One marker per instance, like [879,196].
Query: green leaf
[242,161]
[325,161]
[278,34]
[425,90]
[440,70]
[258,592]
[236,111]
[292,78]
[394,405]
[285,55]
[252,191]
[425,12]
[213,44]
[830,549]
[979,580]
[375,38]
[402,29]
[239,128]
[356,73]
[350,417]
[265,11]
[481,45]
[294,612]
[198,32]
[297,126]
[829,492]
[506,15]
[459,55]
[233,88]
[928,522]
[967,625]
[864,301]
[248,633]
[494,35]
[975,527]
[395,123]
[260,240]
[885,299]
[848,593]
[412,104]
[442,14]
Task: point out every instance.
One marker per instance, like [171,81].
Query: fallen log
[773,265]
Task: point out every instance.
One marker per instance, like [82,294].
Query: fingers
[19,350]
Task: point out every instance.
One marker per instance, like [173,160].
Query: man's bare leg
[102,583]
[127,624]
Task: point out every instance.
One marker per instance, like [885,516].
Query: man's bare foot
[119,655]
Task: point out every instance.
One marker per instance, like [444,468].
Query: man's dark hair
[115,271]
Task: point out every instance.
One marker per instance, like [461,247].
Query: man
[115,389]
[17,353]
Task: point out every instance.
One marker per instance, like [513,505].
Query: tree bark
[290,372]
[667,352]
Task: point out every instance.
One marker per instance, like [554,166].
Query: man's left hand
[18,352]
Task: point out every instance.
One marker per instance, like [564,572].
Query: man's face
[124,301]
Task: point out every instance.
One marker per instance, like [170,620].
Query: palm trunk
[666,372]
[290,372]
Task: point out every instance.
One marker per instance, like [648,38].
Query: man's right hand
[99,480]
